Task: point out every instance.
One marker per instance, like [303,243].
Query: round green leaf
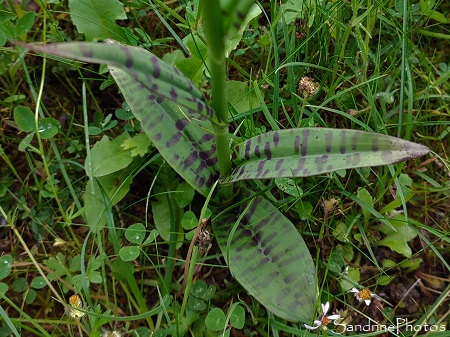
[6,262]
[189,220]
[199,289]
[151,237]
[304,209]
[210,292]
[24,118]
[31,296]
[135,233]
[94,130]
[289,186]
[124,114]
[20,284]
[189,235]
[48,127]
[25,143]
[38,283]
[95,277]
[346,251]
[143,331]
[185,194]
[196,304]
[216,320]
[129,253]
[341,232]
[3,288]
[237,318]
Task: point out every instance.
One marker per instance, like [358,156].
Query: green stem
[216,50]
[403,67]
[190,277]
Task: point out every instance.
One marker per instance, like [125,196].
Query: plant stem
[216,50]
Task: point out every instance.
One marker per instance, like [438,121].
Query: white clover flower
[113,333]
[363,295]
[324,319]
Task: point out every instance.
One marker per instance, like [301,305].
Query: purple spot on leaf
[204,155]
[210,181]
[241,172]
[354,140]
[201,181]
[267,151]
[260,168]
[375,145]
[173,94]
[247,149]
[206,138]
[297,144]
[175,139]
[128,57]
[191,159]
[278,164]
[299,167]
[87,52]
[181,123]
[156,67]
[322,159]
[343,144]
[257,154]
[276,138]
[304,144]
[356,158]
[328,141]
[199,107]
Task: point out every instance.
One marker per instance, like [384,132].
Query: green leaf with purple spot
[159,78]
[311,151]
[187,143]
[268,256]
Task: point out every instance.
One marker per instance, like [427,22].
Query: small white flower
[76,303]
[113,333]
[324,319]
[59,242]
[363,295]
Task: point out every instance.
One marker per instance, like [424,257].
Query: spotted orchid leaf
[311,151]
[234,13]
[159,78]
[268,256]
[187,143]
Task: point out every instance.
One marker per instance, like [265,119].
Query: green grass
[385,228]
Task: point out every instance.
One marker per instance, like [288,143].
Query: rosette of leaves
[263,249]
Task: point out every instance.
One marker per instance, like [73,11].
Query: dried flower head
[324,319]
[308,87]
[75,303]
[204,241]
[363,295]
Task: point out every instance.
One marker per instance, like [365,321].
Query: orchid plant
[261,246]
